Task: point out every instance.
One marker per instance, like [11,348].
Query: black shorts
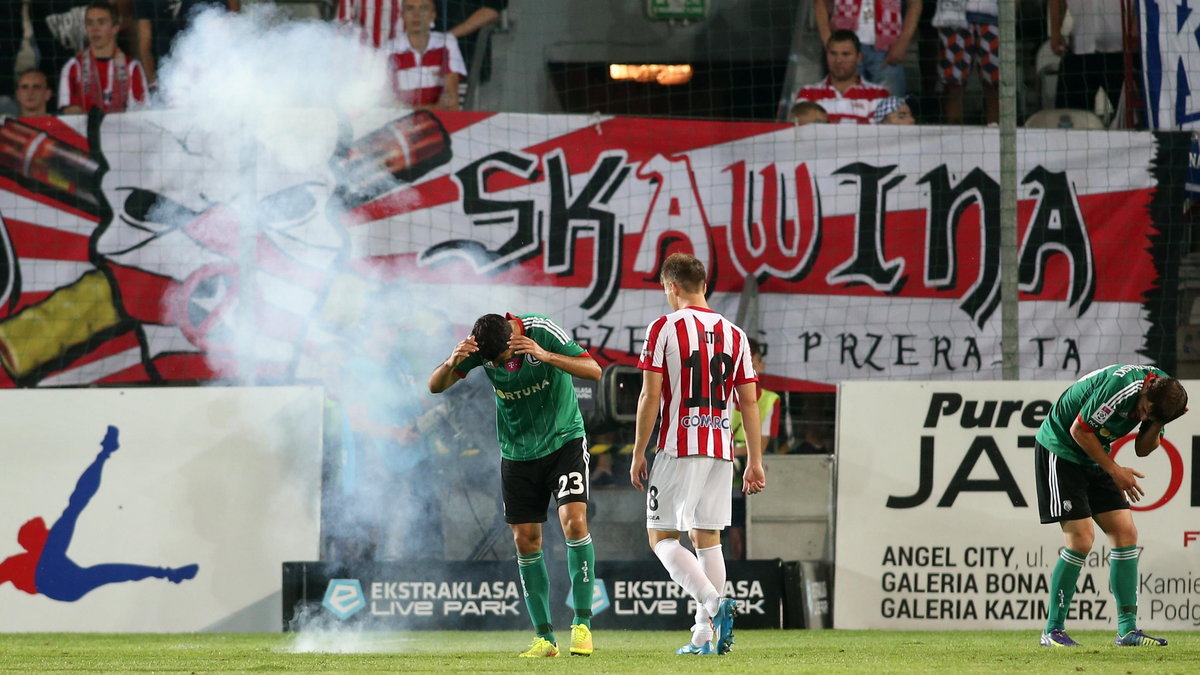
[528,486]
[1070,491]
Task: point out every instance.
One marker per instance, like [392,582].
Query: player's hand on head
[462,350]
[523,344]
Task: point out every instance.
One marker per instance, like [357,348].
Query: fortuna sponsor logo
[522,393]
[706,421]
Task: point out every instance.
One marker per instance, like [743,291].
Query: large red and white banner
[139,247]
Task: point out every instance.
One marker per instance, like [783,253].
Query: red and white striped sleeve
[70,90]
[652,349]
[138,86]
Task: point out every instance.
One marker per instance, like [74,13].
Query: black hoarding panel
[487,595]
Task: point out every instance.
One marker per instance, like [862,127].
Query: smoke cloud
[240,68]
[264,107]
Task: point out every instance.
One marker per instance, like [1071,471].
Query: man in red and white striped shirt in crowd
[846,97]
[101,76]
[425,64]
[692,363]
[375,20]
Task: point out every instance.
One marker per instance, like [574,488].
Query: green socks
[581,564]
[1062,587]
[536,583]
[1122,581]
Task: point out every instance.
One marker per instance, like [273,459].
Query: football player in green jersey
[1078,482]
[530,361]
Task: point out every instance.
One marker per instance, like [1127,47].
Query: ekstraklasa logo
[344,598]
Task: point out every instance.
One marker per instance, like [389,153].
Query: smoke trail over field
[264,110]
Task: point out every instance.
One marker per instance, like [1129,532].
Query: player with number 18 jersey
[702,357]
[696,367]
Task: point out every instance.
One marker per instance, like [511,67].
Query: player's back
[702,356]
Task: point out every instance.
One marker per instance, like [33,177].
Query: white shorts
[685,493]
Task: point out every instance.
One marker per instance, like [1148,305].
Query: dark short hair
[845,35]
[1167,397]
[104,5]
[685,270]
[491,333]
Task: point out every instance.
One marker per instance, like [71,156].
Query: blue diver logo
[344,598]
[44,568]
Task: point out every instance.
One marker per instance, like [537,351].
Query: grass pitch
[616,652]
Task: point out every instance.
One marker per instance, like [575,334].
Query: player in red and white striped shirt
[375,19]
[846,97]
[426,65]
[693,362]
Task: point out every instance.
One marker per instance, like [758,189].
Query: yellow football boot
[581,640]
[540,648]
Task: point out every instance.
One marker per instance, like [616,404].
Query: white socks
[685,570]
[712,561]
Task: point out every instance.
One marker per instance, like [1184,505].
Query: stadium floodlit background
[252,274]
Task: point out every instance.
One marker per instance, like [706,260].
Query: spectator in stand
[893,110]
[884,29]
[33,93]
[426,65]
[101,76]
[376,21]
[969,35]
[12,33]
[807,112]
[467,17]
[1095,57]
[846,97]
[58,32]
[928,100]
[159,23]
